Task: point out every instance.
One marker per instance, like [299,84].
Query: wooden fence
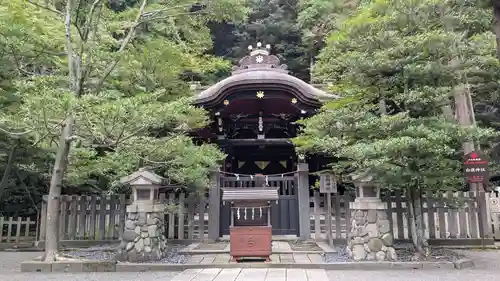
[453,216]
[494,211]
[189,220]
[17,230]
[87,217]
[103,218]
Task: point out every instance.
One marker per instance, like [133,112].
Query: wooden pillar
[303,198]
[485,230]
[214,207]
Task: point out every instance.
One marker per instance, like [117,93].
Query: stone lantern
[143,238]
[366,190]
[145,187]
[370,236]
[327,182]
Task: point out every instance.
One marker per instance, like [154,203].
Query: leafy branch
[46,7]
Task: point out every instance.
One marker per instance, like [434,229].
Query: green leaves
[317,18]
[401,57]
[113,120]
[141,112]
[31,41]
[175,157]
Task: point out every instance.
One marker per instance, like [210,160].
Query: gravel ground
[100,253]
[108,253]
[404,252]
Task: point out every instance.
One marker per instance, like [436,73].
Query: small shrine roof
[143,177]
[244,194]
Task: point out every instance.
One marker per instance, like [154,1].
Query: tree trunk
[413,225]
[419,218]
[8,168]
[464,114]
[417,226]
[496,25]
[75,81]
[52,226]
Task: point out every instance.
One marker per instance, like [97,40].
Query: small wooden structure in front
[250,232]
[328,186]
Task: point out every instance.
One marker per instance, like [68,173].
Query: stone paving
[275,258]
[282,253]
[252,274]
[277,246]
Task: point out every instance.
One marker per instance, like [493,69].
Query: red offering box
[250,241]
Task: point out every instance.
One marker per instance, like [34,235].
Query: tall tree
[93,108]
[397,64]
[317,18]
[30,45]
[494,5]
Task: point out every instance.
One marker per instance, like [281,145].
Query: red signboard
[476,167]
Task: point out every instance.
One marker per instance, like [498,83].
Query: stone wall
[143,238]
[369,237]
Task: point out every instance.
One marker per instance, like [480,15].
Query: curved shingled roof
[260,68]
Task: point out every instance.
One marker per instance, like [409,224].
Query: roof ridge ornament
[260,50]
[260,58]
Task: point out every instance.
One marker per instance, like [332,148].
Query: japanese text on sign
[476,167]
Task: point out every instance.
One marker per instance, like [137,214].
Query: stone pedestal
[369,237]
[143,238]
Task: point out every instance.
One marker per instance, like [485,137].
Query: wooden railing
[17,230]
[96,218]
[88,217]
[103,218]
[285,185]
[460,215]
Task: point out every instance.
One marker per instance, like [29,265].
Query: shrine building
[254,113]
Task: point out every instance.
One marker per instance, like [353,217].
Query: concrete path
[352,275]
[216,259]
[282,252]
[252,274]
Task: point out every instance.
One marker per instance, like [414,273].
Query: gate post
[485,230]
[303,200]
[214,207]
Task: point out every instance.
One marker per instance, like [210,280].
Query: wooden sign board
[328,183]
[476,167]
[495,205]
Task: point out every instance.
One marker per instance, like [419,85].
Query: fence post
[214,207]
[317,218]
[303,200]
[484,220]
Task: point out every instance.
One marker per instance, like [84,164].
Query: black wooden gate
[284,213]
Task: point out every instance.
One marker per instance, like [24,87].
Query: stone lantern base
[143,238]
[370,237]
